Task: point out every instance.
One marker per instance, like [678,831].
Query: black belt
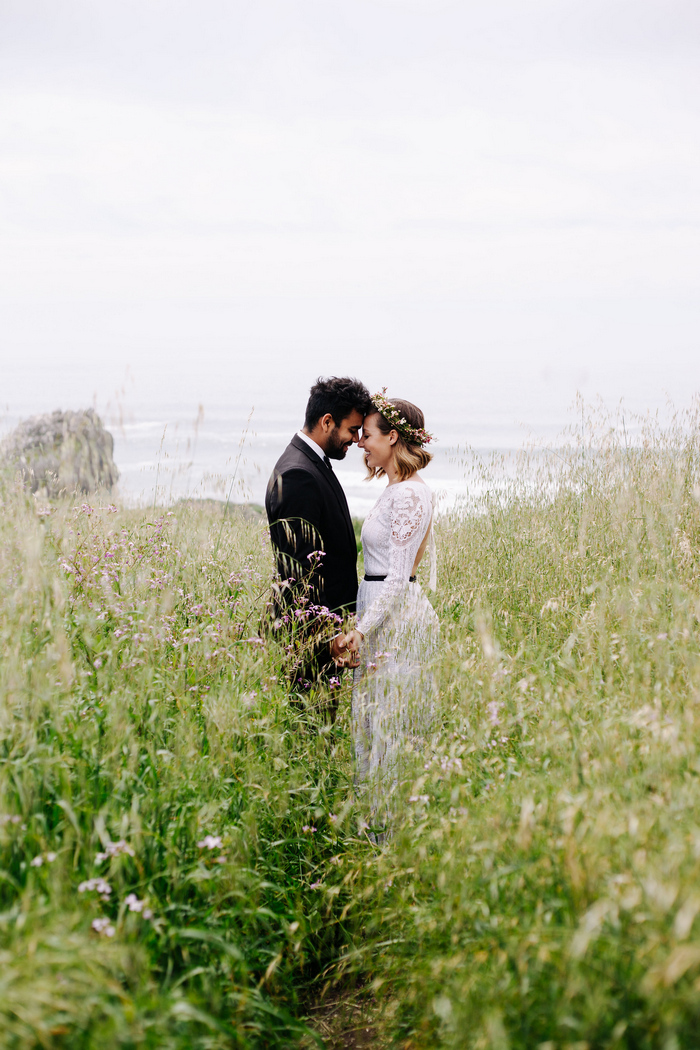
[380,579]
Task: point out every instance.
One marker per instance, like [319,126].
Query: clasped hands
[345,649]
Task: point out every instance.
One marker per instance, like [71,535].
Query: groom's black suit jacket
[307,511]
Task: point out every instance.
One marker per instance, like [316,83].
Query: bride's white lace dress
[392,696]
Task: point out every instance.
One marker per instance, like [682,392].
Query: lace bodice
[392,534]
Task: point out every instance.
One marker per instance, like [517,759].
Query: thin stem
[233,478]
[160,452]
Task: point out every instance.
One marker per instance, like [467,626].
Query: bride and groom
[392,641]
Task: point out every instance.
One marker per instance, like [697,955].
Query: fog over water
[485,207]
[213,425]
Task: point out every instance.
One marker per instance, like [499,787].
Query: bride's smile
[377,446]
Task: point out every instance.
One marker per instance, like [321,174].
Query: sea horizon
[227,455]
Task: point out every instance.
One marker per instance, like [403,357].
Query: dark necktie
[328,463]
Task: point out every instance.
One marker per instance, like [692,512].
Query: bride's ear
[393,437]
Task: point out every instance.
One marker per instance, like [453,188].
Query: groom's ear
[327,422]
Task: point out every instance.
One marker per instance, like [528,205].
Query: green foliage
[539,887]
[165,804]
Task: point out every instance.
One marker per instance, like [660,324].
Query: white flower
[134,904]
[210,842]
[113,849]
[103,927]
[39,860]
[100,886]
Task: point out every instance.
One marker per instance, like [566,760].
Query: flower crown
[414,435]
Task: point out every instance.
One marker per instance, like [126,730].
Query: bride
[397,627]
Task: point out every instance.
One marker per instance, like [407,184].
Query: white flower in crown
[414,435]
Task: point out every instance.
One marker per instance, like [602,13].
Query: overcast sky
[469,200]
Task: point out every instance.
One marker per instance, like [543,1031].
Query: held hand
[338,647]
[342,652]
[353,640]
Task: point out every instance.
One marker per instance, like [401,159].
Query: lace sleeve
[410,517]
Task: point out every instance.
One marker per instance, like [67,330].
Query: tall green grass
[544,886]
[541,885]
[148,740]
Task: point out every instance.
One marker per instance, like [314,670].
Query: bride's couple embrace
[392,641]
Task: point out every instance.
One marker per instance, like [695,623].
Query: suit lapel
[330,480]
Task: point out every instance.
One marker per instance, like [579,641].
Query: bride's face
[377,447]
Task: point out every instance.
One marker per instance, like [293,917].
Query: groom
[308,512]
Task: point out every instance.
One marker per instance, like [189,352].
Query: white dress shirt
[312,444]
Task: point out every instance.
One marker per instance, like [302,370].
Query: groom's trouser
[309,660]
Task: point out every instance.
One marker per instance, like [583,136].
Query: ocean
[214,427]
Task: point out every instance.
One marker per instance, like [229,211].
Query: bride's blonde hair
[409,456]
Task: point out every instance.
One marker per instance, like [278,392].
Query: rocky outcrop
[62,452]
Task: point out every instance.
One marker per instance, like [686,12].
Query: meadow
[183,862]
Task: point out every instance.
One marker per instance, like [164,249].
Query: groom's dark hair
[337,396]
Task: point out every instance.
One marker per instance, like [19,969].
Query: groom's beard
[336,449]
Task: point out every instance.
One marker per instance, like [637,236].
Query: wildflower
[103,927]
[7,818]
[98,885]
[333,817]
[134,904]
[334,682]
[210,842]
[493,709]
[315,885]
[419,798]
[113,849]
[37,862]
[310,828]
